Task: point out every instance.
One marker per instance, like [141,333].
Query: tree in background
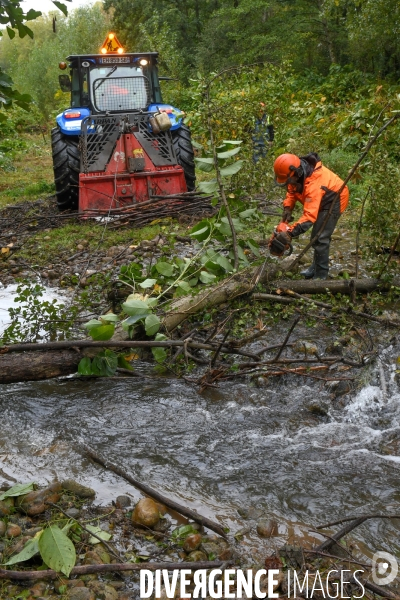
[33,62]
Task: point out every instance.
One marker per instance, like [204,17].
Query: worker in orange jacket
[309,182]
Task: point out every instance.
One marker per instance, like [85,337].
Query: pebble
[318,408]
[13,531]
[192,542]
[73,512]
[306,347]
[123,501]
[197,556]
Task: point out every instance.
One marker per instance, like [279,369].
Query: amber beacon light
[111,45]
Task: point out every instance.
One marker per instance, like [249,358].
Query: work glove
[279,243]
[287,215]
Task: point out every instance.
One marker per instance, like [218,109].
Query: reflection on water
[225,450]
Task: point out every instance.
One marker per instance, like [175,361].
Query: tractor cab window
[79,89]
[119,88]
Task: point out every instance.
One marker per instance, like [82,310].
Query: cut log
[34,366]
[343,286]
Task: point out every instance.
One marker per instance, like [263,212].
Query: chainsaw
[281,240]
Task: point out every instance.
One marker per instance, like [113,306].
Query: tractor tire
[66,165]
[184,154]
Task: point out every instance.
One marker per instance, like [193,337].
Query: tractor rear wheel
[66,165]
[182,141]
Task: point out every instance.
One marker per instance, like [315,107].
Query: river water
[236,447]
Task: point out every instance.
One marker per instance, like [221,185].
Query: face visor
[292,178]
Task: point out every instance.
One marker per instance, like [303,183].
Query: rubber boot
[321,261]
[309,272]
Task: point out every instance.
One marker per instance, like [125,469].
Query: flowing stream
[224,451]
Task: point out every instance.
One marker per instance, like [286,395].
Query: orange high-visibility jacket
[312,194]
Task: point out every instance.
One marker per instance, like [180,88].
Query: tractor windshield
[119,88]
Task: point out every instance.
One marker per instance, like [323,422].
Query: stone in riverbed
[146,512]
[267,528]
[192,542]
[102,590]
[78,489]
[34,503]
[13,531]
[123,501]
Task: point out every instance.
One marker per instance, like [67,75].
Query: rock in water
[146,513]
[78,489]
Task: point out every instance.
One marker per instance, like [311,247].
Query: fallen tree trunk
[34,366]
[343,286]
[243,283]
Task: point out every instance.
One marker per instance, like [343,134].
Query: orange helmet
[286,166]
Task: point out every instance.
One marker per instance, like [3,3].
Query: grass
[28,172]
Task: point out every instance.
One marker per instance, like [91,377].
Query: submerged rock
[192,542]
[78,489]
[267,528]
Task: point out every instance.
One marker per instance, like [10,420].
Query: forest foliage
[327,70]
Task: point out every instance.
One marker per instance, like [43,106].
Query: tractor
[118,144]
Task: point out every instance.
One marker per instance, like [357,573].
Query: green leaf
[135,307]
[254,247]
[208,187]
[247,213]
[92,323]
[152,324]
[183,531]
[99,532]
[160,354]
[148,283]
[85,366]
[109,317]
[132,320]
[20,489]
[206,277]
[207,161]
[105,364]
[165,269]
[123,363]
[232,169]
[228,153]
[201,231]
[232,142]
[30,549]
[160,337]
[224,263]
[11,33]
[57,550]
[102,332]
[185,286]
[61,6]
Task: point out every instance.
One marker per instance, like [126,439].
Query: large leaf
[206,277]
[99,532]
[201,231]
[57,550]
[109,318]
[160,354]
[205,164]
[224,263]
[148,283]
[135,307]
[30,549]
[232,169]
[152,324]
[105,364]
[165,268]
[132,320]
[208,187]
[85,366]
[228,153]
[20,489]
[102,333]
